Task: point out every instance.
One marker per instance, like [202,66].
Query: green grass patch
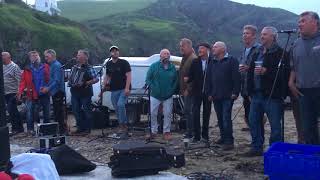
[83,10]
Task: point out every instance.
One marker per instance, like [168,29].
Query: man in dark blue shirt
[223,89]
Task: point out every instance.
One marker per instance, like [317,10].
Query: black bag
[176,158]
[4,147]
[136,158]
[100,117]
[68,161]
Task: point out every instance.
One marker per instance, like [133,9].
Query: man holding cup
[267,97]
[251,47]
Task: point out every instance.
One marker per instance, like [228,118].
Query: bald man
[223,90]
[162,80]
[11,77]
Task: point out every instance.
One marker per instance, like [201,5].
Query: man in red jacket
[34,76]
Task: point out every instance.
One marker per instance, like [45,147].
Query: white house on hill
[48,6]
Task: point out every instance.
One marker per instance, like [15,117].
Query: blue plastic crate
[285,161]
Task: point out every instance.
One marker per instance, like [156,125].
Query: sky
[295,6]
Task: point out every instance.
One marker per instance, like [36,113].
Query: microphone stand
[66,77]
[282,79]
[101,88]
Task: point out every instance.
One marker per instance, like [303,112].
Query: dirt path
[214,160]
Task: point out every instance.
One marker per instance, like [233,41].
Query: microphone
[288,31]
[68,62]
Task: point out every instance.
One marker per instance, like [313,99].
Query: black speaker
[4,147]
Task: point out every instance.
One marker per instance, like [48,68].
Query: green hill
[23,29]
[163,23]
[82,10]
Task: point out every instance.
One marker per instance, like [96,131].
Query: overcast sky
[295,6]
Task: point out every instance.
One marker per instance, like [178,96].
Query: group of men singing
[264,75]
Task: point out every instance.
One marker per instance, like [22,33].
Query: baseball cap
[113,47]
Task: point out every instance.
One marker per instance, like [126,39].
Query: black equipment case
[176,158]
[136,158]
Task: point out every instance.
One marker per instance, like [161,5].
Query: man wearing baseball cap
[118,81]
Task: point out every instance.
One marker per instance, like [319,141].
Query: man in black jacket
[223,86]
[197,75]
[265,98]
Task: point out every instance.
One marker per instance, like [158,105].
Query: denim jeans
[198,100]
[119,101]
[167,113]
[274,111]
[33,109]
[309,106]
[14,115]
[223,108]
[187,114]
[82,110]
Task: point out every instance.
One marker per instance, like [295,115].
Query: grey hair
[51,51]
[223,44]
[313,15]
[186,41]
[274,32]
[163,50]
[85,52]
[6,53]
[251,28]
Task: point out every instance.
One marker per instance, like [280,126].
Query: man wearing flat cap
[118,81]
[197,76]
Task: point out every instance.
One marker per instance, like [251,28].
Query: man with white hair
[267,97]
[11,77]
[162,81]
[223,89]
[81,92]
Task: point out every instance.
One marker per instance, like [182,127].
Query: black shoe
[253,153]
[205,141]
[228,147]
[245,129]
[188,136]
[195,141]
[220,142]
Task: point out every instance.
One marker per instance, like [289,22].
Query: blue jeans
[82,110]
[33,109]
[119,101]
[274,111]
[14,115]
[309,106]
[223,108]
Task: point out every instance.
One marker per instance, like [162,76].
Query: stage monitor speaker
[4,147]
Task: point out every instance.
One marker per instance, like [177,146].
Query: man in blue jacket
[56,88]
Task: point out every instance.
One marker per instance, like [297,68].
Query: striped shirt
[11,77]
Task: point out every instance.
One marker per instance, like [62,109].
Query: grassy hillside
[23,29]
[82,10]
[162,24]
